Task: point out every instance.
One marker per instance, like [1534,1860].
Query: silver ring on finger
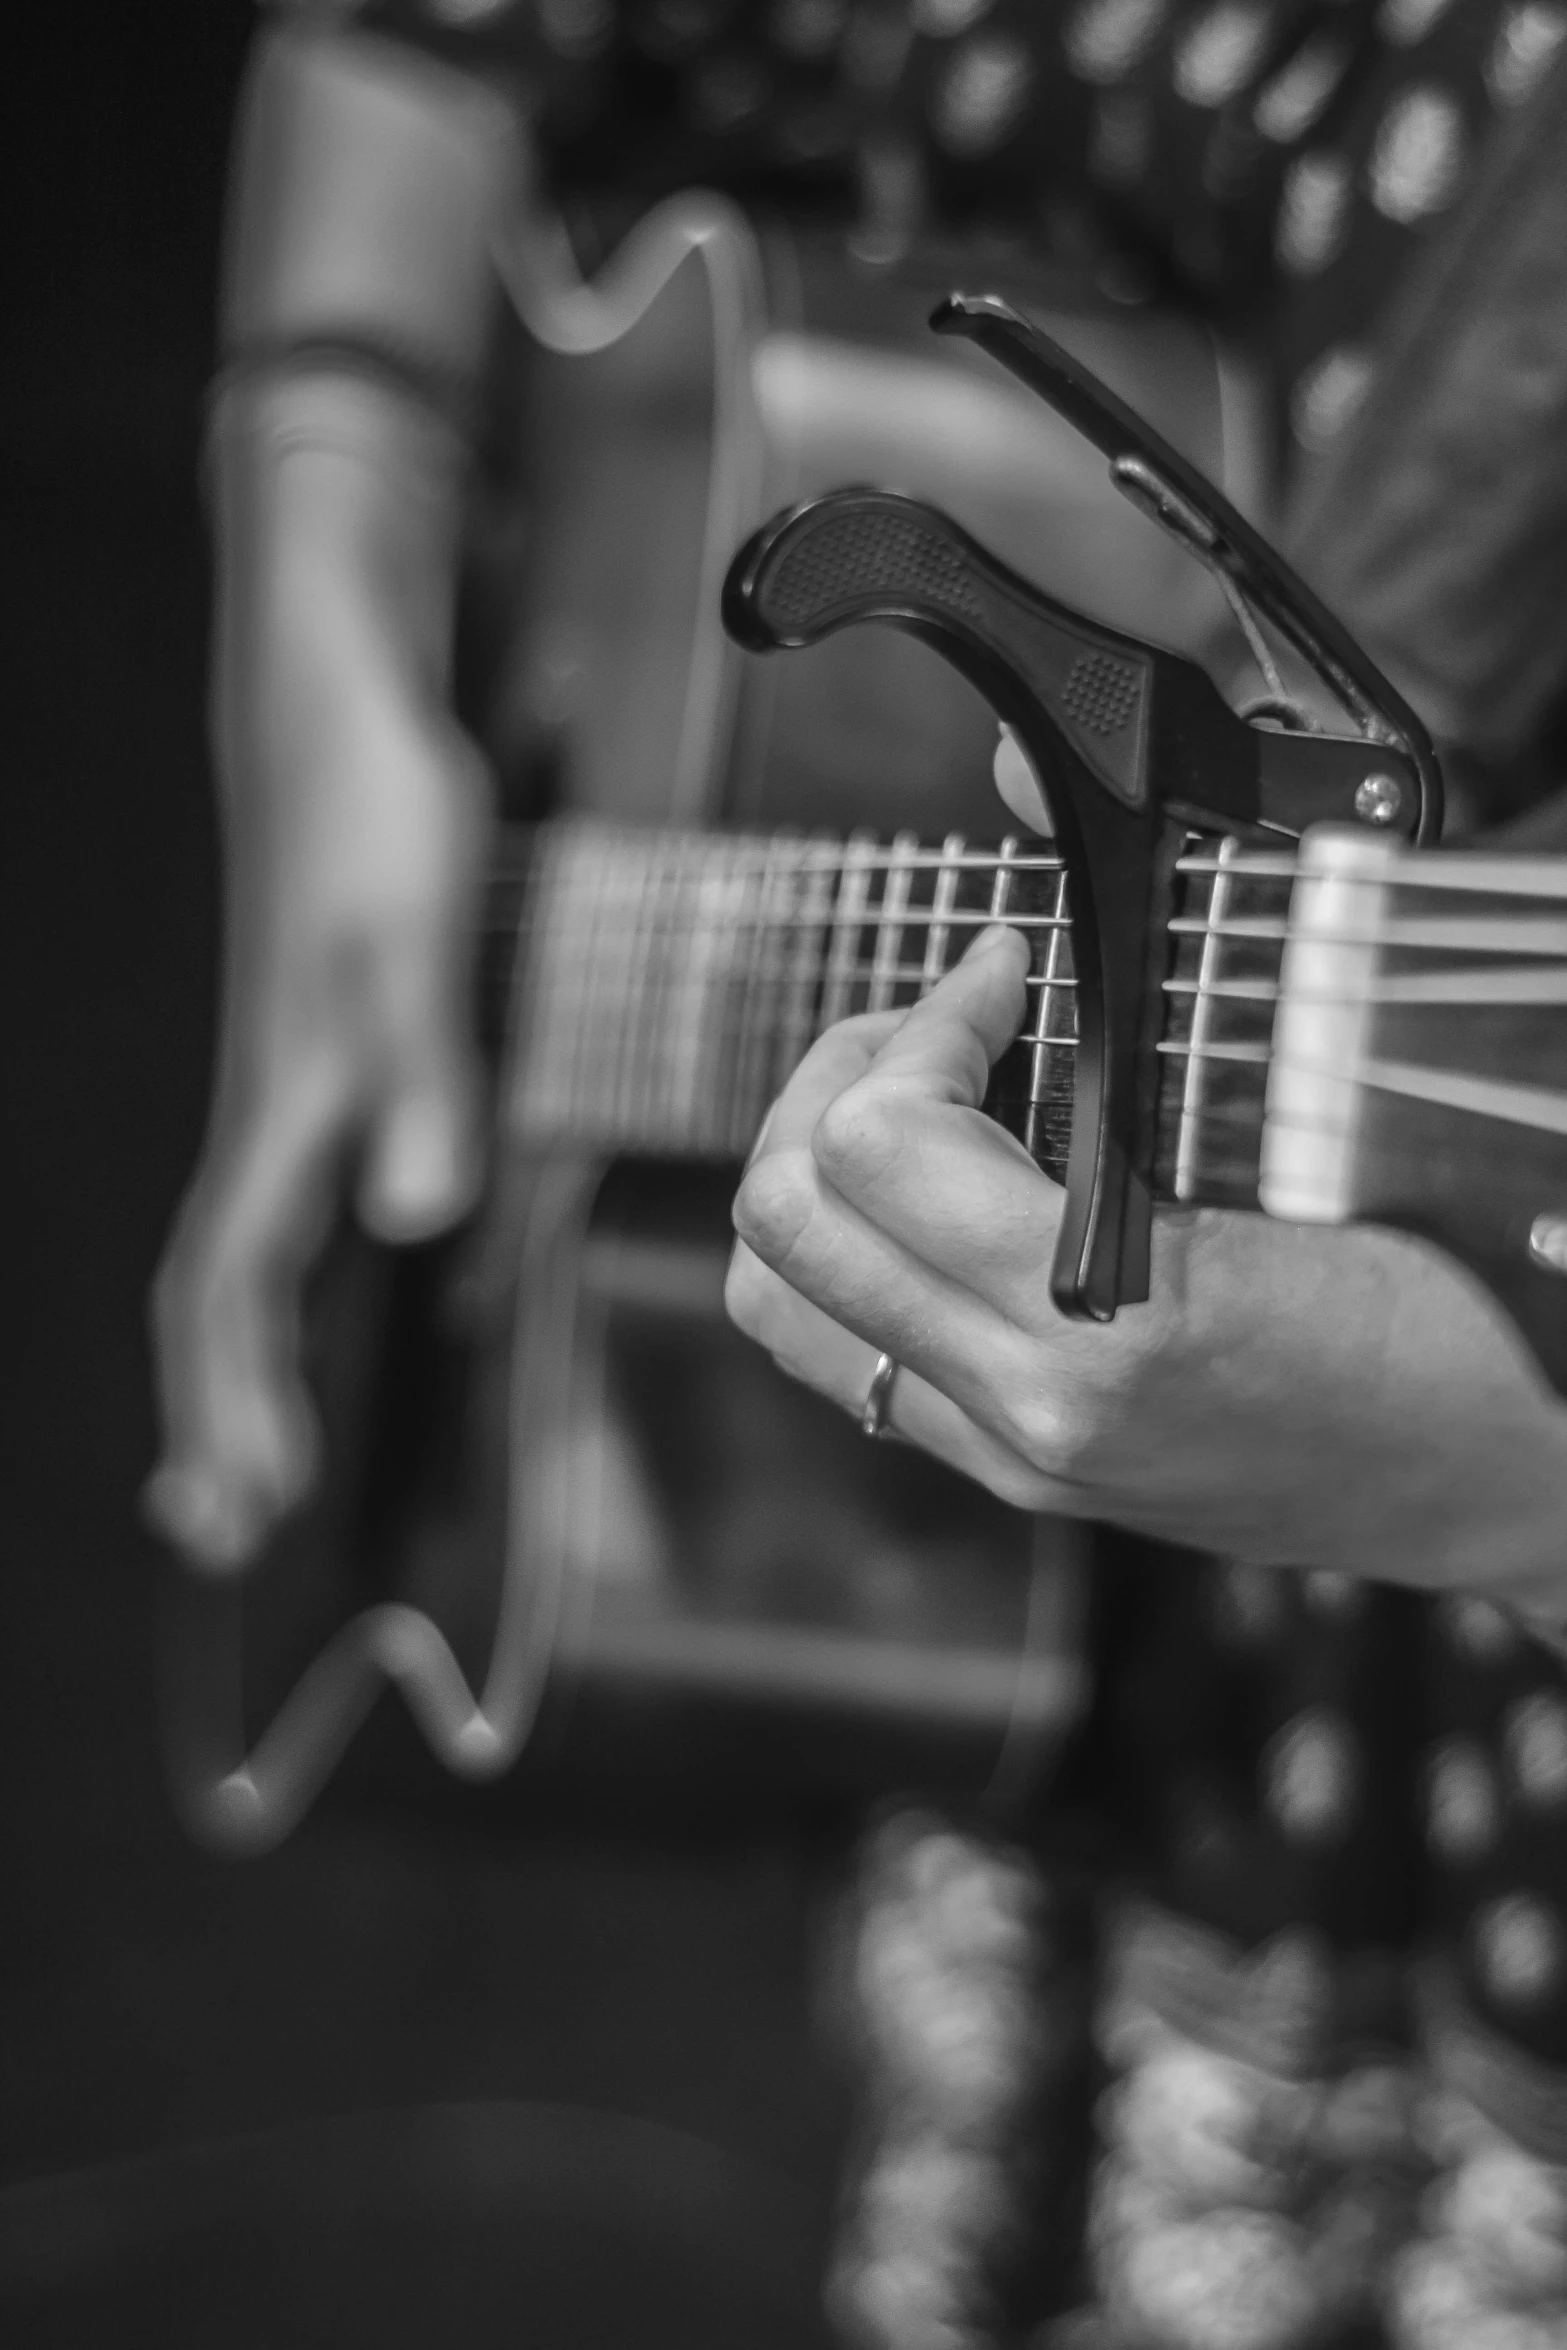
[878,1398]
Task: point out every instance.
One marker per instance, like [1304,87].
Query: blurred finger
[239,1432]
[423,1161]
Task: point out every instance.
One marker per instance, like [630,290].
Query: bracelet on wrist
[440,390]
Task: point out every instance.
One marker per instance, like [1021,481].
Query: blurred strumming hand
[355,812]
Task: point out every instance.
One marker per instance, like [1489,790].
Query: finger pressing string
[946,1044]
[907,1148]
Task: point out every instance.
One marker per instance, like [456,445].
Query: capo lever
[1134,746]
[1175,494]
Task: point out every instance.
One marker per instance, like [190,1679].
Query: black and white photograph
[786,1103]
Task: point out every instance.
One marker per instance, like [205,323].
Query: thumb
[424,1151]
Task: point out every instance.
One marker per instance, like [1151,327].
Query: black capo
[1135,746]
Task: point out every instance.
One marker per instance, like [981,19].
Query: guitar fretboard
[667,983]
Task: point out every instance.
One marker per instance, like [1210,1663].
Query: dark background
[152,1995]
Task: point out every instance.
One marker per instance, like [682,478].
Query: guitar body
[674,1566]
[729,1562]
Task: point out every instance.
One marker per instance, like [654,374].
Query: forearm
[359,286]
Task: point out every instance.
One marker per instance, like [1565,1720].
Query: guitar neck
[1354,1034]
[666,984]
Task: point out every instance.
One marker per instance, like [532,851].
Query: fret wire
[1239,991]
[809,926]
[1207,976]
[1039,1072]
[726,993]
[1245,1116]
[669,1112]
[1238,926]
[848,918]
[654,1096]
[547,1074]
[1261,1054]
[568,929]
[1001,891]
[943,900]
[885,955]
[639,1032]
[578,960]
[532,1005]
[621,959]
[626,960]
[726,902]
[744,973]
[1001,888]
[710,960]
[691,958]
[763,999]
[596,1035]
[618,976]
[747,875]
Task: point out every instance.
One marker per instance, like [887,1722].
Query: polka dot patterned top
[1286,156]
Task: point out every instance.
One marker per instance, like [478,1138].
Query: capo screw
[1548,1242]
[1378,799]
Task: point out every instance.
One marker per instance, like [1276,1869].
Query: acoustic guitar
[591,1501]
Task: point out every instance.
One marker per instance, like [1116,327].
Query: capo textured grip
[870,550]
[873,555]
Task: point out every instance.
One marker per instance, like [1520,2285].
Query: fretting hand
[1291,1395]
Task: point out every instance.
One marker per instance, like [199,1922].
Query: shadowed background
[154,1995]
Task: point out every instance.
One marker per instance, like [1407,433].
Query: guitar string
[1538,1108]
[890,914]
[1473,873]
[1537,979]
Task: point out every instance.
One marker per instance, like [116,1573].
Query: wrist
[338,511]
